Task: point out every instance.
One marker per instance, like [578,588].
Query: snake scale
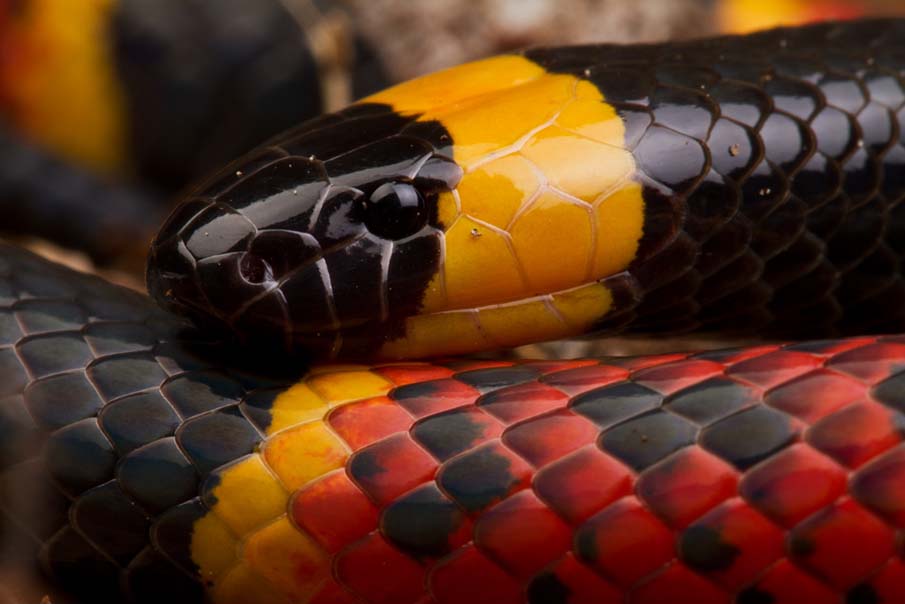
[293,427]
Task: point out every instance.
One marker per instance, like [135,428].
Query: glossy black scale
[766,432]
[499,473]
[105,443]
[609,405]
[450,433]
[423,522]
[160,393]
[642,441]
[782,155]
[325,240]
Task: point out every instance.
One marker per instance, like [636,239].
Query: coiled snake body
[748,184]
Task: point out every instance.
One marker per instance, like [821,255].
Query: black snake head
[316,240]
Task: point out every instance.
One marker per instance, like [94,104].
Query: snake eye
[395,210]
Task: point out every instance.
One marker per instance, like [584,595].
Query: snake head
[479,207]
[329,229]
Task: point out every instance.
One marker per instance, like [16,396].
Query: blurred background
[110,108]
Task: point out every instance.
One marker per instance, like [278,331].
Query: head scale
[484,206]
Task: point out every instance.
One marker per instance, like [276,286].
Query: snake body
[739,183]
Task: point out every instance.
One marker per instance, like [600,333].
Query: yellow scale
[540,153]
[247,548]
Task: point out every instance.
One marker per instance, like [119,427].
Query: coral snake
[736,184]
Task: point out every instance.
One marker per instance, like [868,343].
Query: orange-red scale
[611,481]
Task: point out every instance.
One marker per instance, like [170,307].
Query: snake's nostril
[284,251]
[255,269]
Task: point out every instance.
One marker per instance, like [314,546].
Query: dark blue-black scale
[703,549]
[478,478]
[609,405]
[642,441]
[711,400]
[767,431]
[546,588]
[79,462]
[488,380]
[422,522]
[891,392]
[766,210]
[110,440]
[451,432]
[329,231]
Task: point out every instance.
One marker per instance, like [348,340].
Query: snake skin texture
[767,474]
[189,273]
[771,170]
[144,459]
[774,167]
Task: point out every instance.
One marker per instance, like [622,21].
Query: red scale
[842,544]
[334,593]
[520,402]
[774,368]
[583,483]
[470,576]
[334,511]
[546,439]
[794,484]
[366,422]
[880,486]
[751,543]
[625,542]
[501,533]
[577,381]
[410,374]
[816,394]
[379,573]
[672,377]
[888,581]
[436,396]
[686,485]
[389,468]
[677,584]
[857,434]
[786,583]
[871,363]
[584,585]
